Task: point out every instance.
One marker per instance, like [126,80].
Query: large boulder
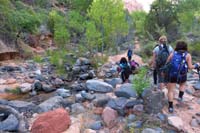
[126,90]
[176,122]
[55,121]
[22,106]
[118,104]
[50,104]
[197,86]
[12,120]
[98,86]
[109,116]
[113,81]
[101,100]
[153,101]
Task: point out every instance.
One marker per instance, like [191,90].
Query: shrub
[141,81]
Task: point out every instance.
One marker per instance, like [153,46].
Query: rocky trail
[34,99]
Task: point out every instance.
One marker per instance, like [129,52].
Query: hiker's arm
[153,61]
[189,62]
[169,58]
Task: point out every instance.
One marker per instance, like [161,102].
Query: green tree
[109,19]
[163,14]
[57,24]
[138,17]
[93,37]
[188,14]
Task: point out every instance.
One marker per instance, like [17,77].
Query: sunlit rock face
[132,5]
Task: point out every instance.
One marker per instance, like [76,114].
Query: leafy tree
[138,17]
[188,14]
[109,19]
[57,23]
[93,37]
[163,13]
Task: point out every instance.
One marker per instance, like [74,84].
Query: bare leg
[182,86]
[171,87]
[170,95]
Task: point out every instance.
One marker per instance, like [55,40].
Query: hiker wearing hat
[179,61]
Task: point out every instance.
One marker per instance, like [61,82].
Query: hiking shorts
[175,79]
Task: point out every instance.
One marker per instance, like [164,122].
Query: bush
[57,24]
[37,58]
[141,81]
[146,50]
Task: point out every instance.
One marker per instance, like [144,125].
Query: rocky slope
[50,103]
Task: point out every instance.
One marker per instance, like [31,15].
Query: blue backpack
[178,65]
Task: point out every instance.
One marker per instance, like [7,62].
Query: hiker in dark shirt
[179,62]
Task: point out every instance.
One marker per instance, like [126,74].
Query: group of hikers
[170,67]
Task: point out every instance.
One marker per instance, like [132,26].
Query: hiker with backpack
[160,55]
[124,68]
[129,54]
[178,62]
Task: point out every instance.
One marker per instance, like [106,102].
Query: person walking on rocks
[125,70]
[160,54]
[179,61]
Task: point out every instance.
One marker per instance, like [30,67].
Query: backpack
[129,53]
[162,56]
[178,65]
[133,65]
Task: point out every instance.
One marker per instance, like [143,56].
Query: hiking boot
[171,110]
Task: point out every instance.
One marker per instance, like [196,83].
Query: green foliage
[26,20]
[99,60]
[80,5]
[140,81]
[58,58]
[188,14]
[194,49]
[139,21]
[37,58]
[146,50]
[76,21]
[109,19]
[57,23]
[163,14]
[14,91]
[93,37]
[16,17]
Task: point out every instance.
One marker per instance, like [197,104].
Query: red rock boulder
[55,121]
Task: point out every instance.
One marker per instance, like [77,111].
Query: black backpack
[162,56]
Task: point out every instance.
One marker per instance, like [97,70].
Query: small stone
[131,118]
[96,125]
[194,123]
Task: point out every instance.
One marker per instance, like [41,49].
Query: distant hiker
[129,54]
[124,68]
[179,61]
[160,55]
